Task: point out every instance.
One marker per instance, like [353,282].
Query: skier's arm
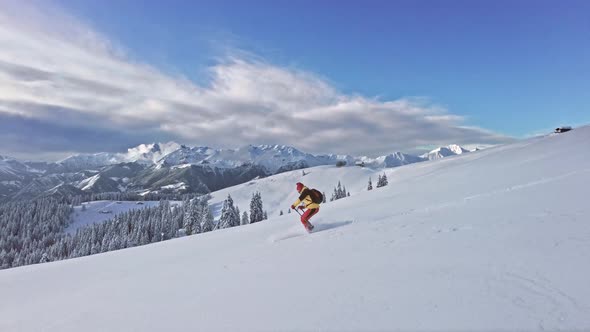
[302,196]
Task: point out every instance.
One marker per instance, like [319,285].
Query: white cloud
[58,71]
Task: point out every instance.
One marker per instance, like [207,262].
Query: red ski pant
[308,214]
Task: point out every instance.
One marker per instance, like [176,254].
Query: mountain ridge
[177,168]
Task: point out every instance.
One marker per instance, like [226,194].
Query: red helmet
[299,186]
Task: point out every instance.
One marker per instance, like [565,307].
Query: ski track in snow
[467,199]
[530,293]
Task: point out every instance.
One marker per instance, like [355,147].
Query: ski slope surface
[493,240]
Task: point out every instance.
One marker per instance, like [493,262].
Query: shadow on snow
[295,232]
[323,227]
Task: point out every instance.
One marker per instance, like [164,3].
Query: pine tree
[203,211]
[382,181]
[245,219]
[228,218]
[370,186]
[281,213]
[44,258]
[256,210]
[114,243]
[339,192]
[207,223]
[191,217]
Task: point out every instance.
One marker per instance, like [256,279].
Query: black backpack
[316,196]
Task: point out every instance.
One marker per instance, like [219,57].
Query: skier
[311,199]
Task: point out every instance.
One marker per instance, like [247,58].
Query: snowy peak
[391,160]
[7,166]
[143,153]
[456,149]
[445,151]
[187,155]
[272,157]
[149,153]
[12,169]
[89,161]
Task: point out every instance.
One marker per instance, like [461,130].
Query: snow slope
[278,191]
[493,240]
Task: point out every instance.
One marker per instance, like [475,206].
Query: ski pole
[297,210]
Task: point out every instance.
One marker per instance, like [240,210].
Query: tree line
[34,231]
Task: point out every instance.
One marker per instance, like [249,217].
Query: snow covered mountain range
[272,157]
[174,167]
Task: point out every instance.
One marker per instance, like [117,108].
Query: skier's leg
[313,213]
[306,216]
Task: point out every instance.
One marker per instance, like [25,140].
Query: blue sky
[527,61]
[507,68]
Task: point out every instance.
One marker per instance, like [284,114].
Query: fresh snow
[487,241]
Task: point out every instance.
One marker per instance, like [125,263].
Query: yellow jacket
[305,198]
